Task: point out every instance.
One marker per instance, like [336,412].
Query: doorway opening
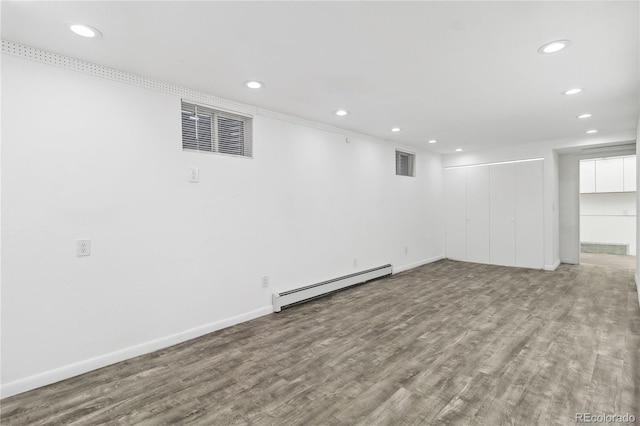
[608,211]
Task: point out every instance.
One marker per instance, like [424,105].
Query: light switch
[194,175]
[83,248]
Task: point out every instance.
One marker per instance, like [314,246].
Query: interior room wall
[554,171]
[569,209]
[90,158]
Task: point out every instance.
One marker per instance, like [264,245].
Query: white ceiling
[465,73]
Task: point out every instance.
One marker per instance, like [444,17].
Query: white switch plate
[265,282]
[194,175]
[83,248]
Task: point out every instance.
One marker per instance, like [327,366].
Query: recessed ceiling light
[395,129]
[433,141]
[253,84]
[572,91]
[592,131]
[84,30]
[341,112]
[587,115]
[458,149]
[553,47]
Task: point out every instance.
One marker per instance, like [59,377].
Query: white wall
[554,169]
[609,218]
[85,157]
[569,209]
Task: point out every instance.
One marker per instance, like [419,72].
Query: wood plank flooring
[449,343]
[605,259]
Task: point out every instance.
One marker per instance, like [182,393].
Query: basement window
[405,163]
[206,129]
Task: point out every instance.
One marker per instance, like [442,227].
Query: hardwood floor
[448,343]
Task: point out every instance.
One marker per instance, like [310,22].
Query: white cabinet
[530,214]
[587,176]
[609,175]
[455,189]
[494,213]
[478,214]
[629,179]
[503,214]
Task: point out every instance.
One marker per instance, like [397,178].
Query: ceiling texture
[467,74]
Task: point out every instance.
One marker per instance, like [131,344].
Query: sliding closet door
[530,214]
[502,214]
[455,189]
[478,214]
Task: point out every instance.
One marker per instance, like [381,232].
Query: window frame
[411,165]
[187,105]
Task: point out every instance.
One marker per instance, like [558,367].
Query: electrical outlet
[355,262]
[406,250]
[194,175]
[83,248]
[265,282]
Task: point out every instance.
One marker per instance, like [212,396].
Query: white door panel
[530,214]
[502,214]
[455,191]
[478,248]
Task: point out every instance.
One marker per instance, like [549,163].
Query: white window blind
[210,130]
[405,163]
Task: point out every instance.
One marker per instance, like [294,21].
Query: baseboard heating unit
[303,294]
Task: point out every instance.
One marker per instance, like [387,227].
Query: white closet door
[530,214]
[478,214]
[502,214]
[455,189]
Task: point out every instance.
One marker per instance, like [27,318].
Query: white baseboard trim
[552,267]
[75,369]
[397,269]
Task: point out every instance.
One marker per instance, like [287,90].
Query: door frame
[569,196]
